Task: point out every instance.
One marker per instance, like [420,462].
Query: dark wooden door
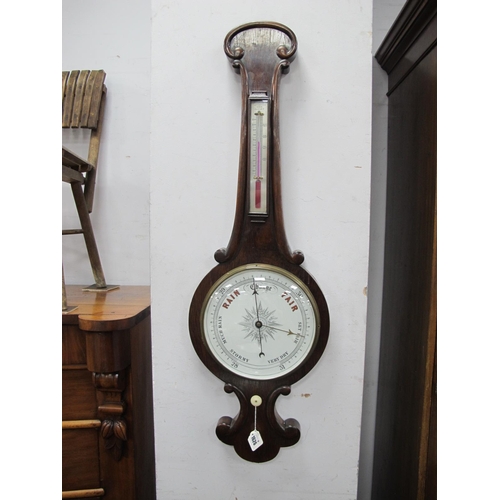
[405,435]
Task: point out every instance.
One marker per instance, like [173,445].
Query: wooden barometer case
[258,320]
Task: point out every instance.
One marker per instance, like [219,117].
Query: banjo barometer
[258,320]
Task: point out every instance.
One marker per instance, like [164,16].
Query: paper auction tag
[255,440]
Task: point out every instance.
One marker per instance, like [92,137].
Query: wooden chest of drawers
[107,403]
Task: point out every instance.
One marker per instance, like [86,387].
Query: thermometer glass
[259,126]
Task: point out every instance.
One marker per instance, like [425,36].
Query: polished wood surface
[107,404]
[117,309]
[78,394]
[83,494]
[405,434]
[80,459]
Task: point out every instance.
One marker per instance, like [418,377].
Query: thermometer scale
[259,116]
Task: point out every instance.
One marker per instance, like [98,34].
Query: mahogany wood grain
[74,350]
[81,424]
[427,38]
[430,480]
[80,459]
[412,28]
[119,309]
[405,447]
[95,493]
[107,379]
[260,53]
[141,410]
[78,395]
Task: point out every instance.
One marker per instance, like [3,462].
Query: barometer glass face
[259,321]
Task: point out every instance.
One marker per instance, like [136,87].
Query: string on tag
[255,439]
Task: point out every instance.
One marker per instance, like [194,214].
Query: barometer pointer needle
[258,323]
[286,331]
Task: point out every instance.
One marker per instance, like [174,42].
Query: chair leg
[88,234]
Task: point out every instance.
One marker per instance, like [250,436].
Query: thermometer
[259,152]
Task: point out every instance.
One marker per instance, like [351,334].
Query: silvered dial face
[260,321]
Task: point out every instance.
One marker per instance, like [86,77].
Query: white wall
[326,129]
[114,36]
[384,14]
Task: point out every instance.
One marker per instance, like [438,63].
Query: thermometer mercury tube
[259,114]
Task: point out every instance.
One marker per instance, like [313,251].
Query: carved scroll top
[258,36]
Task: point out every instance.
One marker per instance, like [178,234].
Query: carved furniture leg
[111,409]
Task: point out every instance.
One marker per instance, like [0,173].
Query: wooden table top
[117,309]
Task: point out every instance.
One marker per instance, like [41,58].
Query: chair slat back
[83,103]
[81,100]
[78,99]
[65,75]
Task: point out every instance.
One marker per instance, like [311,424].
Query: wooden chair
[83,103]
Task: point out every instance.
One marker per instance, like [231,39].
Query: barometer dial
[260,321]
